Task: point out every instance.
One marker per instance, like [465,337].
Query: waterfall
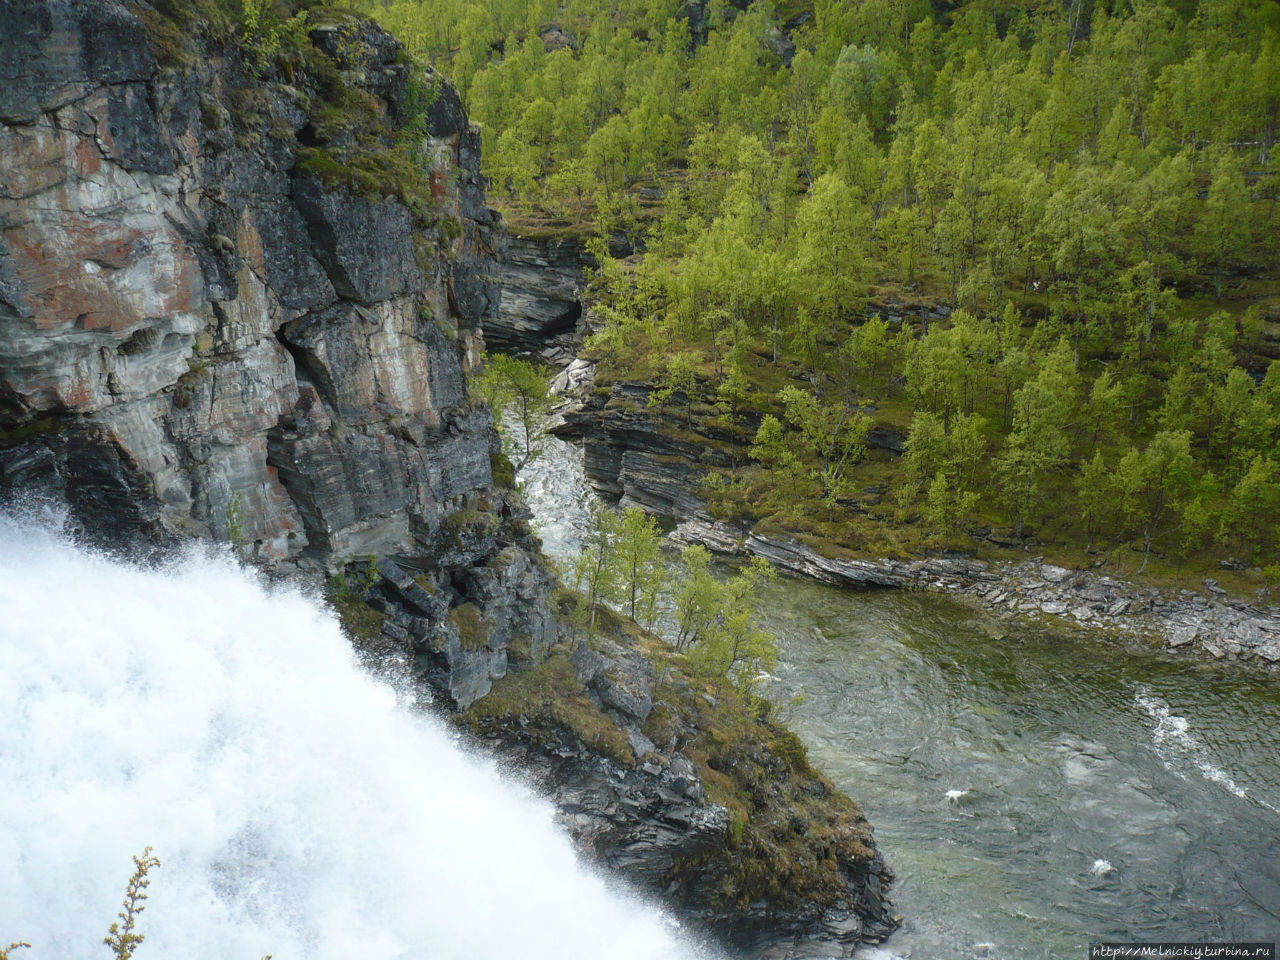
[298,808]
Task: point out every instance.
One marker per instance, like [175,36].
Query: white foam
[1101,868]
[297,808]
[1179,748]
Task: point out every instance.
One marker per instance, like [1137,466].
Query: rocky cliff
[541,277]
[210,322]
[241,280]
[243,270]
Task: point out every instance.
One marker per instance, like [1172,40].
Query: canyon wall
[206,330]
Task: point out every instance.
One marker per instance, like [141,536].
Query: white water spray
[297,809]
[1178,748]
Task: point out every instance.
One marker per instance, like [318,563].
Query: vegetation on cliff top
[351,139]
[789,831]
[1092,188]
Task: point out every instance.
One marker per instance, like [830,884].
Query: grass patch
[543,703]
[474,629]
[362,623]
[502,470]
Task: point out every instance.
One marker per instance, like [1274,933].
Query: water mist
[298,809]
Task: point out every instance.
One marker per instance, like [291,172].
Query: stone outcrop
[540,304]
[202,332]
[691,795]
[1212,626]
[632,455]
[542,279]
[212,325]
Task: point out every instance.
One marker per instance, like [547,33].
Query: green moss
[21,432]
[361,622]
[474,629]
[791,836]
[176,28]
[544,702]
[373,174]
[503,471]
[463,526]
[450,229]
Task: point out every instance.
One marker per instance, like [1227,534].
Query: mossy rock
[17,433]
[545,702]
[361,622]
[465,526]
[474,628]
[503,471]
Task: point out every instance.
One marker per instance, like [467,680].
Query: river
[1033,789]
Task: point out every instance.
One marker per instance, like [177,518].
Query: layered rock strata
[682,786]
[212,325]
[654,459]
[241,284]
[203,333]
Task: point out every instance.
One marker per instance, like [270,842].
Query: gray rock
[1054,574]
[150,266]
[624,690]
[366,248]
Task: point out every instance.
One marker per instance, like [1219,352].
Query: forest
[1038,242]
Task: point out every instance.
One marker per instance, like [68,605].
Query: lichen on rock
[207,319]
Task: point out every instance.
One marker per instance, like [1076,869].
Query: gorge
[246,268]
[243,272]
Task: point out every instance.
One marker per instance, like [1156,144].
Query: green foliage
[641,567]
[595,571]
[1078,181]
[717,620]
[502,470]
[677,381]
[266,36]
[421,92]
[474,629]
[1155,485]
[546,700]
[516,390]
[832,432]
[354,582]
[348,590]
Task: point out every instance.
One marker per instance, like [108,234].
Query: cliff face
[539,306]
[208,324]
[241,281]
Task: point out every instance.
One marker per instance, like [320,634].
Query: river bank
[1032,788]
[632,454]
[1213,627]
